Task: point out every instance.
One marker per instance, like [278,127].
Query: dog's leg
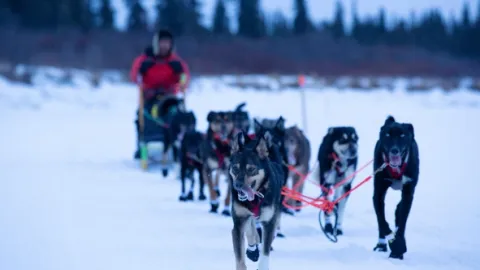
[183,175]
[253,239]
[201,179]
[192,183]
[384,232]
[239,242]
[341,207]
[399,246]
[228,198]
[213,194]
[268,236]
[330,178]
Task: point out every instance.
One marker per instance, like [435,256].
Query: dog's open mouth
[395,160]
[247,193]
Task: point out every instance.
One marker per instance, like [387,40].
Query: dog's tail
[389,120]
[240,106]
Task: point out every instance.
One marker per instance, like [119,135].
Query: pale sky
[323,9]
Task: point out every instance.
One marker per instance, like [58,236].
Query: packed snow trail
[72,198]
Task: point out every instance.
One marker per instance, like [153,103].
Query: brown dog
[298,153]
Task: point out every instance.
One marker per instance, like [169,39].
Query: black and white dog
[398,151]
[337,159]
[257,183]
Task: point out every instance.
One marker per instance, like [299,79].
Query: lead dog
[337,159]
[256,183]
[396,149]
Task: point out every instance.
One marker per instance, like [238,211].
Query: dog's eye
[387,134]
[235,169]
[251,170]
[402,135]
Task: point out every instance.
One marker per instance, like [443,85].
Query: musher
[160,72]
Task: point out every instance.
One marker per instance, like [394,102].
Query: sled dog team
[257,167]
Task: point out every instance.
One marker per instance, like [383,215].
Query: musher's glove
[145,66]
[176,66]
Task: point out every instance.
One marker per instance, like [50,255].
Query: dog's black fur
[241,118]
[252,173]
[397,148]
[216,153]
[182,122]
[337,159]
[191,161]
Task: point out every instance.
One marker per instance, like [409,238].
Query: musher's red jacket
[160,76]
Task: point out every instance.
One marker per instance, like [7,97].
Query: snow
[72,198]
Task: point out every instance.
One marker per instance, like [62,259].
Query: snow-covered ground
[72,198]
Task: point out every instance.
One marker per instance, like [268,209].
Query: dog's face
[221,123]
[345,141]
[187,121]
[293,137]
[241,120]
[396,139]
[246,169]
[272,130]
[192,141]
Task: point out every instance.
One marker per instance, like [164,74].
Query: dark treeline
[429,30]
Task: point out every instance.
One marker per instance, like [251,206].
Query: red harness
[395,172]
[254,206]
[338,164]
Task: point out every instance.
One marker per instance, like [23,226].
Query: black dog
[337,159]
[256,183]
[241,119]
[182,122]
[191,161]
[398,151]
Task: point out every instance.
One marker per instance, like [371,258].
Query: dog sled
[155,139]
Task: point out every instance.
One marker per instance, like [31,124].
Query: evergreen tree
[170,15]
[301,22]
[250,19]
[137,17]
[106,15]
[192,18]
[338,27]
[280,26]
[220,25]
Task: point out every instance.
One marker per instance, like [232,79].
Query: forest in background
[82,34]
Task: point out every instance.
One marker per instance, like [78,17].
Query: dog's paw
[280,235]
[182,198]
[189,196]
[380,247]
[202,197]
[226,212]
[396,256]
[288,211]
[398,246]
[253,253]
[213,208]
[329,228]
[338,231]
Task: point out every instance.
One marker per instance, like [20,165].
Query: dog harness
[396,173]
[340,167]
[254,206]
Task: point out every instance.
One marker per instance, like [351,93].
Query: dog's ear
[211,116]
[238,143]
[257,126]
[389,120]
[331,130]
[410,129]
[280,124]
[262,148]
[268,138]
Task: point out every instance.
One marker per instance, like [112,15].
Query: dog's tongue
[250,193]
[395,160]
